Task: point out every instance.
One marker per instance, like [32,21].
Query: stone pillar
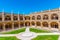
[35,20]
[3,16]
[12,26]
[49,25]
[11,16]
[35,24]
[18,20]
[19,24]
[41,20]
[3,27]
[23,20]
[18,17]
[59,26]
[3,20]
[49,20]
[59,20]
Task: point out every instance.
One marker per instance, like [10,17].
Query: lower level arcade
[14,25]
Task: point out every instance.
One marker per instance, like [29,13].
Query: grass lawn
[38,30]
[46,37]
[8,38]
[15,31]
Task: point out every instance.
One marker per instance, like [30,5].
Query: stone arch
[0,18]
[33,17]
[38,17]
[15,17]
[8,26]
[16,25]
[38,23]
[27,17]
[21,17]
[7,17]
[1,27]
[54,16]
[45,24]
[45,17]
[27,23]
[33,23]
[21,24]
[54,24]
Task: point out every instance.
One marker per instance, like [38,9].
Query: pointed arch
[16,25]
[27,17]
[45,24]
[15,17]
[33,23]
[54,16]
[33,17]
[21,17]
[54,24]
[27,23]
[8,26]
[1,27]
[21,24]
[0,17]
[38,23]
[7,17]
[45,17]
[38,17]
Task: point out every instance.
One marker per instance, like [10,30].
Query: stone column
[12,26]
[49,25]
[41,20]
[3,27]
[19,24]
[11,16]
[18,17]
[59,20]
[23,20]
[35,20]
[3,20]
[49,20]
[3,16]
[18,20]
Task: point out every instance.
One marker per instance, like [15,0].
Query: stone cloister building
[49,19]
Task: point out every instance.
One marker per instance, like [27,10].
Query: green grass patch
[38,30]
[15,31]
[8,38]
[46,37]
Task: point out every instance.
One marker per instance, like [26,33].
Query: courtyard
[34,30]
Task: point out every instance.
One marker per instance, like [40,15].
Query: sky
[28,6]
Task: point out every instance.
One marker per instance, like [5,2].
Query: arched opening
[54,24]
[38,23]
[45,24]
[8,26]
[7,17]
[15,17]
[0,18]
[1,27]
[21,17]
[38,17]
[33,23]
[27,18]
[16,25]
[54,16]
[27,23]
[33,17]
[45,17]
[21,24]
